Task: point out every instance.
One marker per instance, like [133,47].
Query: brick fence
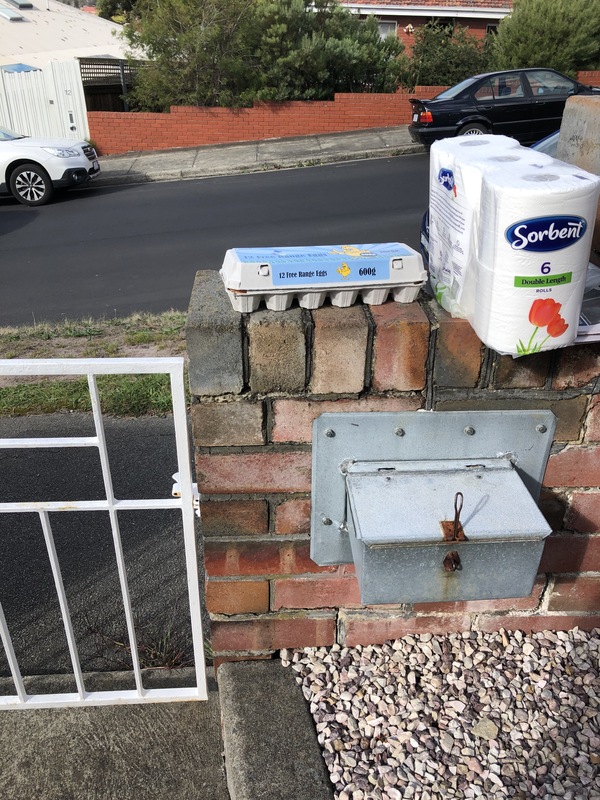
[259,380]
[119,132]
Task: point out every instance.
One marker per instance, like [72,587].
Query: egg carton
[277,276]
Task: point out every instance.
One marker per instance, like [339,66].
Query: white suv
[31,169]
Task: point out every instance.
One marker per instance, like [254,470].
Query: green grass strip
[120,395]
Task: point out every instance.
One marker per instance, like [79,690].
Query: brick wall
[120,132]
[259,380]
[591,77]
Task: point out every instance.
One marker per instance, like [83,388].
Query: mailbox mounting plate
[340,439]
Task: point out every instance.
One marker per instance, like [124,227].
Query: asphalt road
[112,251]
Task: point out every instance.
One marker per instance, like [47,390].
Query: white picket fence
[183,500]
[49,102]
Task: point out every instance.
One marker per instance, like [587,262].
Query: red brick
[401,347]
[237,597]
[293,517]
[568,552]
[532,623]
[372,627]
[458,352]
[238,473]
[473,606]
[339,350]
[575,593]
[326,592]
[522,373]
[227,424]
[592,433]
[574,466]
[272,632]
[281,557]
[584,513]
[234,517]
[577,366]
[294,418]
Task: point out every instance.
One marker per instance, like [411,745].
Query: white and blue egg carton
[277,275]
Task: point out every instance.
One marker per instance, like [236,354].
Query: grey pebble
[473,715]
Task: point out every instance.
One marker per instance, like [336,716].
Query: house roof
[53,31]
[491,9]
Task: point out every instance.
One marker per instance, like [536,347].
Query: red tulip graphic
[542,312]
[557,327]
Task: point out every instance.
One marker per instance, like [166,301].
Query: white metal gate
[185,502]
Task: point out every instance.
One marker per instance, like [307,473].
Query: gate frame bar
[91,367]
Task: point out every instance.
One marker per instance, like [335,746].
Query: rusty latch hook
[458,504]
[453,529]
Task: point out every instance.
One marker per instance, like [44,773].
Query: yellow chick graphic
[344,270]
[351,250]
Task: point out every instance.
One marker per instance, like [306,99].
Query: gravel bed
[471,715]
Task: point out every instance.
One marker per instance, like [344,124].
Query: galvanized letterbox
[431,507]
[423,531]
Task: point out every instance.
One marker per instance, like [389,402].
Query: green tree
[116,10]
[309,50]
[562,34]
[231,52]
[444,55]
[195,50]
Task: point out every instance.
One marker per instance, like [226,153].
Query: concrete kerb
[271,749]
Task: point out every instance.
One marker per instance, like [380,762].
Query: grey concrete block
[214,339]
[277,351]
[271,748]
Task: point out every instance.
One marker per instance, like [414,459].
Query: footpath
[245,157]
[254,739]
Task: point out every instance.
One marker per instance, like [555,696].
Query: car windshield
[8,136]
[549,145]
[453,91]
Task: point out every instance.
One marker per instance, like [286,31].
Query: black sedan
[526,104]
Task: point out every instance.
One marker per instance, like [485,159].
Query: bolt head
[329,433]
[470,430]
[541,428]
[399,431]
[326,521]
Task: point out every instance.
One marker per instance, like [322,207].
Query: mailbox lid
[403,503]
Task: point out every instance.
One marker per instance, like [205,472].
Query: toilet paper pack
[533,243]
[457,168]
[510,234]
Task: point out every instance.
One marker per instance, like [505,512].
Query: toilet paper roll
[534,238]
[454,191]
[457,168]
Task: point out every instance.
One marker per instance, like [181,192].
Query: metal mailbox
[423,531]
[431,506]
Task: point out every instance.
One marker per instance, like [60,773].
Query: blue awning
[18,68]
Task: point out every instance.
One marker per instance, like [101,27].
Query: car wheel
[473,129]
[31,185]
